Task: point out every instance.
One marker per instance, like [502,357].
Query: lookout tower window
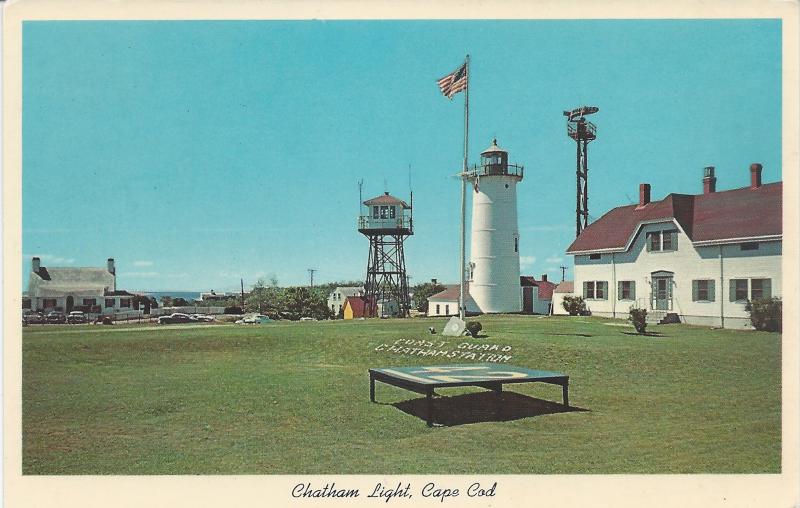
[384,212]
[392,212]
[374,212]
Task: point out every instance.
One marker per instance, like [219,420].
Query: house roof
[121,292]
[451,292]
[348,290]
[566,286]
[65,281]
[727,215]
[386,199]
[545,289]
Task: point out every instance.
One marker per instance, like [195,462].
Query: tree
[638,317]
[766,314]
[166,301]
[424,291]
[265,298]
[302,302]
[180,302]
[574,305]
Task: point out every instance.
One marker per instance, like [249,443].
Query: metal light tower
[386,223]
[582,132]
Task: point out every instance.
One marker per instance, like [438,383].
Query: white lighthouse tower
[494,267]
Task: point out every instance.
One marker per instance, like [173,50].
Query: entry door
[70,304]
[662,293]
[527,300]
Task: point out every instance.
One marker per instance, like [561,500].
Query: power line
[311,272]
[563,272]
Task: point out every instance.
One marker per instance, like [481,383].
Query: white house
[700,257]
[213,296]
[445,303]
[564,288]
[338,296]
[66,289]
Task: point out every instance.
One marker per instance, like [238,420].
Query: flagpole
[462,307]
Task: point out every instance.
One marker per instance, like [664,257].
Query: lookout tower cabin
[386,215]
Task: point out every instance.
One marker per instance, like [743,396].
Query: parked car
[56,317]
[176,317]
[203,317]
[307,318]
[257,319]
[33,318]
[76,317]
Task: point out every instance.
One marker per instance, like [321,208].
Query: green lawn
[293,397]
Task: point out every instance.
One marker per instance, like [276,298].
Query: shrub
[766,314]
[234,309]
[474,327]
[639,319]
[574,305]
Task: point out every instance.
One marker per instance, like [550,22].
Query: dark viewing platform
[369,225]
[506,169]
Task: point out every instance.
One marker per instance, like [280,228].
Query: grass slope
[293,398]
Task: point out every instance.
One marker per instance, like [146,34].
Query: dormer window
[660,241]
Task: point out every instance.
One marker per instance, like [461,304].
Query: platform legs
[429,397]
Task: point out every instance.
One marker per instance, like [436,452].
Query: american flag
[454,82]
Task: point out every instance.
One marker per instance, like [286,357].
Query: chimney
[709,180]
[644,194]
[36,263]
[755,175]
[111,268]
[544,277]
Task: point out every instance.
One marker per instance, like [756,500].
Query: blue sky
[196,153]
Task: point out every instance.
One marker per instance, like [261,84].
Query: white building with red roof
[699,257]
[536,297]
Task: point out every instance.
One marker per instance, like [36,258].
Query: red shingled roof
[566,286]
[451,292]
[545,289]
[734,214]
[386,199]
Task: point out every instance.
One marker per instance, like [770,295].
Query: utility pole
[563,272]
[311,272]
[242,281]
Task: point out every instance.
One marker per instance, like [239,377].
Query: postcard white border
[516,490]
